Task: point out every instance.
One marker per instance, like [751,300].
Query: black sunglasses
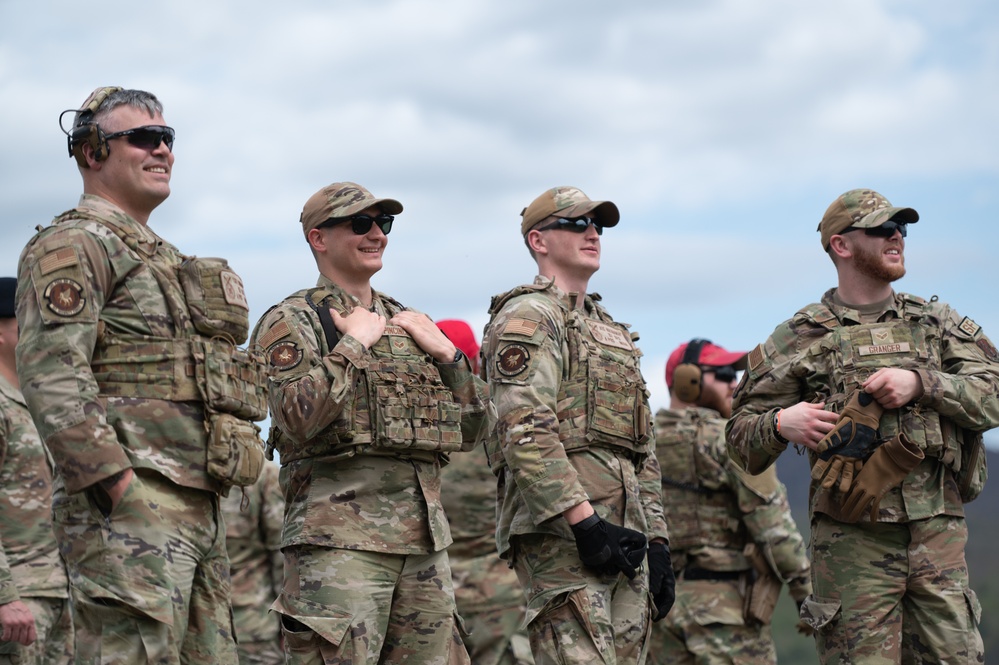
[725,374]
[361,224]
[147,137]
[886,230]
[576,225]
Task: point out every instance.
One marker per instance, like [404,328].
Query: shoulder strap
[325,318]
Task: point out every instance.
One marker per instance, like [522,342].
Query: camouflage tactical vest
[849,354]
[401,405]
[701,508]
[602,399]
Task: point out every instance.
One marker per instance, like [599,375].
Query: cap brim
[879,217]
[737,359]
[388,206]
[605,212]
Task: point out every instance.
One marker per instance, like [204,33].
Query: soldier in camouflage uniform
[887,544]
[368,398]
[578,482]
[489,596]
[34,592]
[129,366]
[734,540]
[253,522]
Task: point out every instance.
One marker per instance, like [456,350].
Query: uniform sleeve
[307,391]
[966,389]
[8,591]
[472,393]
[271,523]
[63,281]
[767,516]
[524,368]
[651,492]
[771,382]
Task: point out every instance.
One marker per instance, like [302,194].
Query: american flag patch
[520,327]
[756,357]
[281,329]
[61,258]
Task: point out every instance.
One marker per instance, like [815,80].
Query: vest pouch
[215,298]
[616,408]
[974,471]
[235,451]
[411,409]
[231,380]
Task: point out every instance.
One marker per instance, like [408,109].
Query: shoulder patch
[513,359]
[279,330]
[756,357]
[60,258]
[518,326]
[64,296]
[969,327]
[988,348]
[284,355]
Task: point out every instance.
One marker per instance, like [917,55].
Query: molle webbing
[153,369]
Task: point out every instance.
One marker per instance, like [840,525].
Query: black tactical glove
[662,582]
[609,549]
[856,432]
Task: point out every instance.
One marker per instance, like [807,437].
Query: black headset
[85,131]
[687,376]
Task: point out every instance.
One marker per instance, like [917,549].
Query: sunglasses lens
[725,374]
[150,138]
[887,230]
[361,224]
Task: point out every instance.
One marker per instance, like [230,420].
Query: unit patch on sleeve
[988,349]
[512,359]
[284,355]
[65,297]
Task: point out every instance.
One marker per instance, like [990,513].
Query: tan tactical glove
[856,432]
[886,468]
[838,468]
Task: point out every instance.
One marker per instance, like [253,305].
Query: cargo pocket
[313,628]
[817,614]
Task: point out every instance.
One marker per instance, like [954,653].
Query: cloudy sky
[722,129]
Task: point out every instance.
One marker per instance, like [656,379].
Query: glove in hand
[856,432]
[609,549]
[662,581]
[837,469]
[886,468]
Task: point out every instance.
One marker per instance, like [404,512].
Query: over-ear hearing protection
[85,131]
[687,375]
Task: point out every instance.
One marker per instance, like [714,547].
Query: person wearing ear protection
[889,576]
[734,542]
[580,516]
[369,399]
[130,365]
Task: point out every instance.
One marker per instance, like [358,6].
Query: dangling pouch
[235,451]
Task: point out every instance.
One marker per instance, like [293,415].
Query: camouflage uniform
[547,362]
[119,361]
[31,569]
[490,599]
[362,435]
[253,541]
[714,510]
[898,588]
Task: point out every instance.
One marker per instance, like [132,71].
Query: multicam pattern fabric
[344,491]
[31,569]
[82,287]
[714,509]
[94,280]
[820,355]
[490,600]
[551,452]
[253,521]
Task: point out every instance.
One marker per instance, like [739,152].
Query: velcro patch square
[61,258]
[968,326]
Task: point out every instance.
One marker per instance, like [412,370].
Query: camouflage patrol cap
[863,209]
[341,199]
[8,285]
[567,202]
